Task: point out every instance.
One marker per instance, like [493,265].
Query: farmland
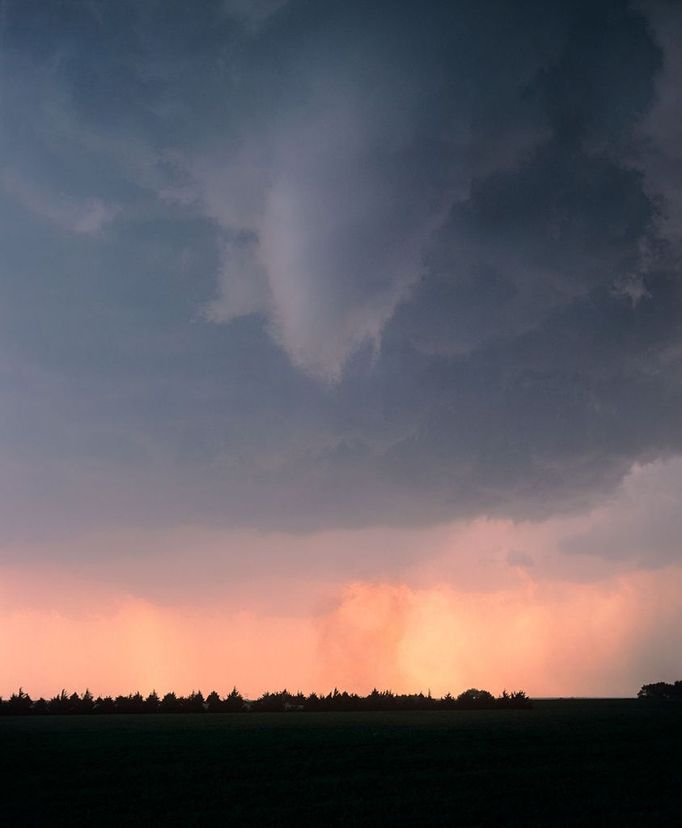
[564,763]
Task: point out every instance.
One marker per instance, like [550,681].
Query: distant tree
[19,703]
[87,702]
[194,703]
[214,704]
[169,704]
[234,702]
[40,707]
[312,703]
[273,702]
[151,703]
[474,698]
[520,699]
[104,705]
[59,704]
[379,700]
[515,699]
[661,691]
[80,704]
[448,701]
[133,703]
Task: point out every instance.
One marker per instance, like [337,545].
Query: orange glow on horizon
[549,638]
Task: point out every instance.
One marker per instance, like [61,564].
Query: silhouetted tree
[661,691]
[133,703]
[214,704]
[151,703]
[474,698]
[104,705]
[379,700]
[80,704]
[448,701]
[516,699]
[59,704]
[272,702]
[169,704]
[194,703]
[40,707]
[19,703]
[234,702]
[87,702]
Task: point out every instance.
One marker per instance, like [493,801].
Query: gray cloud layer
[317,264]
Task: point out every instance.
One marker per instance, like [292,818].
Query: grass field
[591,763]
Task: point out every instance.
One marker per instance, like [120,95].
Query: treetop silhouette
[282,701]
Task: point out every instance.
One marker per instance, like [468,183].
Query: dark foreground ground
[591,763]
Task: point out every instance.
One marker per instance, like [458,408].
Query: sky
[340,345]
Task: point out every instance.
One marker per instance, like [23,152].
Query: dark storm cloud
[295,264]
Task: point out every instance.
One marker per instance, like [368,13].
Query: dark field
[586,763]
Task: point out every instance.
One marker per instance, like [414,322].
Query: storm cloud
[297,265]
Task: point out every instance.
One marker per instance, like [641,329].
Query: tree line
[662,691]
[20,703]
